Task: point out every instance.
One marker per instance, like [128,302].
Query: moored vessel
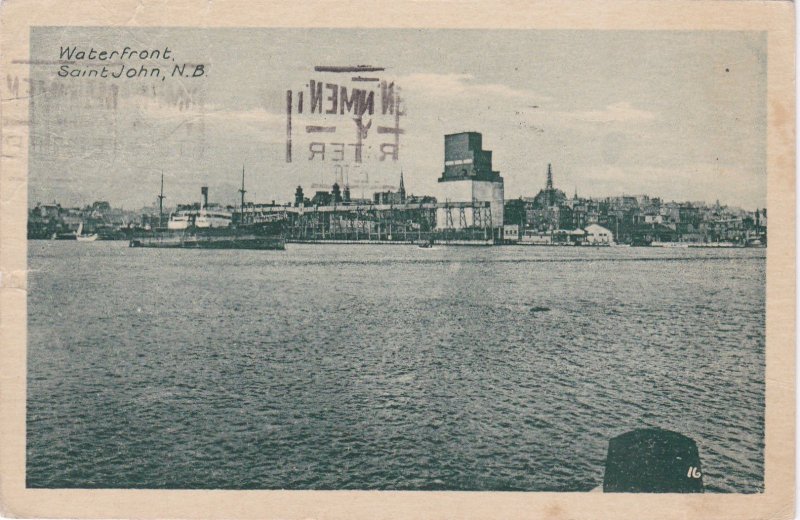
[210,226]
[240,237]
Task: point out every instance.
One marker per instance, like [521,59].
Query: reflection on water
[387,367]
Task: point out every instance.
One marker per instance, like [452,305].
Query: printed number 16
[693,472]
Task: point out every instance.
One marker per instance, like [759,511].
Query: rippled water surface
[387,367]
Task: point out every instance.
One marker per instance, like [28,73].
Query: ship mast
[242,191]
[161,203]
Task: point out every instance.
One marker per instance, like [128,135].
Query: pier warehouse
[468,177]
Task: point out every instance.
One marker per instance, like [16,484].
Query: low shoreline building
[597,235]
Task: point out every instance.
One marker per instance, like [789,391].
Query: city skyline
[234,198]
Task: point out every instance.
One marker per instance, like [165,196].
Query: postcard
[436,259]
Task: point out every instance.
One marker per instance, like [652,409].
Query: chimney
[204,192]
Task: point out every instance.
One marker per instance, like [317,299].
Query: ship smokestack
[204,192]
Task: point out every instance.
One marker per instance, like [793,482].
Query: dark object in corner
[652,461]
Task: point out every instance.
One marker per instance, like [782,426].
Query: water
[387,367]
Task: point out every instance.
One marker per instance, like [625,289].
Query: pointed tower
[549,187]
[402,190]
[242,191]
[346,194]
[161,198]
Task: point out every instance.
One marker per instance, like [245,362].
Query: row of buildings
[51,221]
[469,202]
[634,220]
[343,196]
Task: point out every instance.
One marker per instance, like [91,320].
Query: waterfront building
[550,209]
[511,233]
[359,202]
[321,198]
[468,177]
[387,197]
[531,237]
[336,193]
[391,197]
[549,196]
[597,235]
[514,212]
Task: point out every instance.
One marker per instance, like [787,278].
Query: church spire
[549,177]
[402,190]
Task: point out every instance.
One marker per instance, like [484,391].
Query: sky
[678,115]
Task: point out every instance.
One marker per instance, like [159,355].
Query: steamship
[210,226]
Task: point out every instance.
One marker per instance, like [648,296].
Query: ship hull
[256,237]
[211,243]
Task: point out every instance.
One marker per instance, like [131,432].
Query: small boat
[80,237]
[669,245]
[425,245]
[716,245]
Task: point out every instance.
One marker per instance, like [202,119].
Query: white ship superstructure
[217,218]
[207,216]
